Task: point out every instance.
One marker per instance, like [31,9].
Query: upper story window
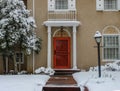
[61,5]
[108,5]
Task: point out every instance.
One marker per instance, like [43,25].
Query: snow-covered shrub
[50,71]
[115,66]
[22,72]
[40,70]
[43,70]
[11,72]
[96,68]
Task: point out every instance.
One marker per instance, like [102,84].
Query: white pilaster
[74,48]
[49,48]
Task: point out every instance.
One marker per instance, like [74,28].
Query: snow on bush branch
[115,66]
[17,27]
[44,70]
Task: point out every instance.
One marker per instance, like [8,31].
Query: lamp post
[98,37]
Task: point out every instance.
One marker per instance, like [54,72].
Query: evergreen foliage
[17,28]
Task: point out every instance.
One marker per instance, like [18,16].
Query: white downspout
[33,9]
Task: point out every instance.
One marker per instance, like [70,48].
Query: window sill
[111,10]
[62,10]
[20,63]
[109,60]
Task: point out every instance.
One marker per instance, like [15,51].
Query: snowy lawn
[110,81]
[22,82]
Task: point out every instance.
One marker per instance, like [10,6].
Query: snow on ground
[22,82]
[109,80]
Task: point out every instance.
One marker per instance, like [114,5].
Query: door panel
[62,52]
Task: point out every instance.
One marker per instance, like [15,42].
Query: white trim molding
[112,26]
[101,6]
[74,25]
[110,35]
[63,30]
[62,23]
[52,5]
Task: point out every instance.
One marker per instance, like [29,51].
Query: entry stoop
[61,83]
[65,71]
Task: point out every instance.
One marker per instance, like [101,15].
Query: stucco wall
[91,21]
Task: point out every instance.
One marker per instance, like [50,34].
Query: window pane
[19,57]
[111,47]
[111,41]
[110,4]
[61,4]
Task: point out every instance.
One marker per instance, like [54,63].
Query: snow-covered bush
[44,70]
[22,72]
[115,66]
[50,71]
[12,72]
[40,70]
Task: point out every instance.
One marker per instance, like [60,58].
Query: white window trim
[100,6]
[51,6]
[61,6]
[109,60]
[112,9]
[22,57]
[63,10]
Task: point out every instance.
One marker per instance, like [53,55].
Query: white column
[49,48]
[74,48]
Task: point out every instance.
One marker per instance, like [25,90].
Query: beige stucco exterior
[91,21]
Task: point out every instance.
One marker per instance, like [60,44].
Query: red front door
[62,52]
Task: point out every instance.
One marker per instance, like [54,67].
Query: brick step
[60,88]
[65,71]
[61,83]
